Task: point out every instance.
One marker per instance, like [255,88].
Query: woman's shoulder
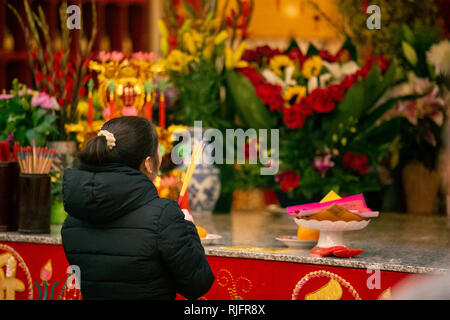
[159,210]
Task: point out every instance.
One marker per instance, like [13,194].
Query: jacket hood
[100,194]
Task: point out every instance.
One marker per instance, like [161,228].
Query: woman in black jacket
[128,242]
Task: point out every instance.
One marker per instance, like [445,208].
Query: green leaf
[350,47]
[383,134]
[312,51]
[375,114]
[349,108]
[37,116]
[249,107]
[31,135]
[372,87]
[189,9]
[292,45]
[409,53]
[408,34]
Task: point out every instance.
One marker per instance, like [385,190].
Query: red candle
[365,5]
[162,111]
[90,115]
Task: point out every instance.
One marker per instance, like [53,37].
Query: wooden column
[156,13]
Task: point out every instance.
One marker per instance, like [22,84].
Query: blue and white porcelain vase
[204,189]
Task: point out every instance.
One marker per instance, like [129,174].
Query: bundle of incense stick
[34,160]
[197,151]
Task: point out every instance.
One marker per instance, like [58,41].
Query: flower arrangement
[28,115]
[328,110]
[61,73]
[195,56]
[426,61]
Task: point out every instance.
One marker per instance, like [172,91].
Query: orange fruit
[201,232]
[307,234]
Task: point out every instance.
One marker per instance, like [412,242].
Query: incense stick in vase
[190,171]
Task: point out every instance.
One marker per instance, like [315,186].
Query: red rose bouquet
[328,110]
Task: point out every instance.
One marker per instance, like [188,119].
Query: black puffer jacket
[128,242]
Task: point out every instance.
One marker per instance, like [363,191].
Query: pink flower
[110,56]
[129,111]
[116,56]
[44,101]
[430,138]
[144,56]
[6,96]
[431,106]
[103,56]
[168,182]
[322,162]
[106,113]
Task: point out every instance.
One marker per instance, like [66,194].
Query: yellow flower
[198,38]
[209,48]
[159,66]
[233,58]
[82,108]
[293,95]
[221,37]
[334,137]
[312,67]
[74,127]
[208,51]
[83,130]
[213,25]
[344,141]
[279,63]
[186,25]
[164,42]
[175,129]
[188,43]
[157,182]
[163,29]
[164,46]
[178,61]
[168,136]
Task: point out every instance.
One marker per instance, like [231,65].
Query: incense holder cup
[34,203]
[9,196]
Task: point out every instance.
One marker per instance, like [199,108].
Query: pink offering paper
[355,202]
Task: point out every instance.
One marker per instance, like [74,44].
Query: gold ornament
[128,76]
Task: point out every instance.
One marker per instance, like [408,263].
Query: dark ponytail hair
[136,139]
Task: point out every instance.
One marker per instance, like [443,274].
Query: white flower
[339,71]
[313,83]
[439,57]
[271,77]
[336,72]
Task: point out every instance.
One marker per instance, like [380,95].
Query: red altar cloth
[41,273]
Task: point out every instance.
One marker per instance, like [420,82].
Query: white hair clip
[110,140]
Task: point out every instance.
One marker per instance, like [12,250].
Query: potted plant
[28,115]
[423,118]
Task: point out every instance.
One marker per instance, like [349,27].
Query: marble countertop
[391,242]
